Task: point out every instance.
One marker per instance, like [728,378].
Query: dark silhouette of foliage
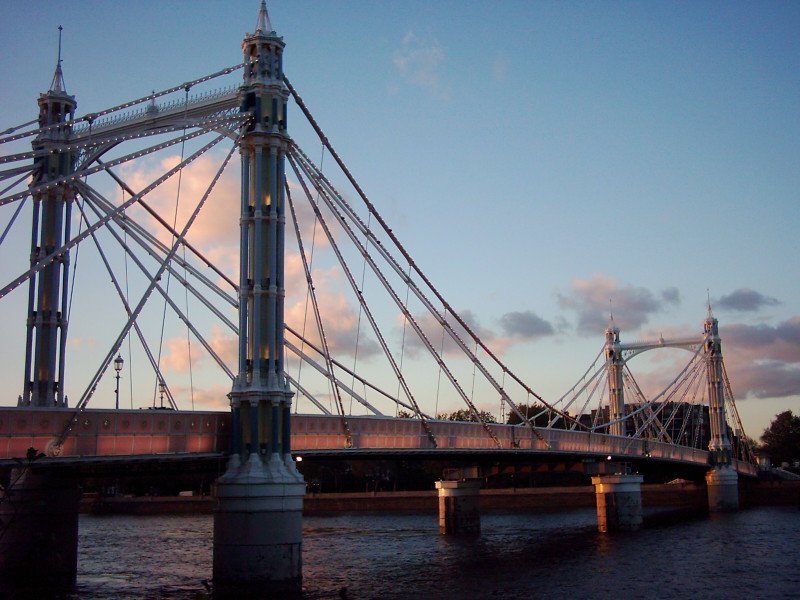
[781,440]
[465,414]
[531,411]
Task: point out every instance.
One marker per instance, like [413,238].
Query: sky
[543,162]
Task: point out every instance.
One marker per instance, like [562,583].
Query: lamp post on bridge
[118,362]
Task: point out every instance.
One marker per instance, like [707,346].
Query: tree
[531,411]
[782,438]
[466,414]
[404,414]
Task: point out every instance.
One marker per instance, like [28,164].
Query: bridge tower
[45,342]
[722,480]
[616,396]
[258,517]
[39,515]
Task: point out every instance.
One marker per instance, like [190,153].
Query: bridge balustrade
[151,432]
[112,433]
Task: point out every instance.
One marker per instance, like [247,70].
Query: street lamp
[162,387]
[118,362]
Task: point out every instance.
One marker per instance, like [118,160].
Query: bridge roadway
[135,435]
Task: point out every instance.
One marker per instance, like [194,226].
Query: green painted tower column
[258,516]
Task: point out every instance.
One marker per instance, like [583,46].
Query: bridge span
[136,433]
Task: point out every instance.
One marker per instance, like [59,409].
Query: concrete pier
[619,502]
[722,483]
[459,510]
[258,529]
[38,533]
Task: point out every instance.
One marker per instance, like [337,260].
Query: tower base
[258,529]
[722,484]
[619,502]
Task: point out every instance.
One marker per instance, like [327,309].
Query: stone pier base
[619,502]
[459,510]
[38,533]
[258,529]
[722,484]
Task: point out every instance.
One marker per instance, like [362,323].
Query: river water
[750,554]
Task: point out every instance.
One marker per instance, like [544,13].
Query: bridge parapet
[150,432]
[112,432]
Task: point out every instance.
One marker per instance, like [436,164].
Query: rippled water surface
[750,554]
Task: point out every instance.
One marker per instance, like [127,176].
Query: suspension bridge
[324,333]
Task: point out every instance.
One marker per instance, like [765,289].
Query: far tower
[46,339]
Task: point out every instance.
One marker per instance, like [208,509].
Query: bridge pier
[619,502]
[722,484]
[459,510]
[258,527]
[38,533]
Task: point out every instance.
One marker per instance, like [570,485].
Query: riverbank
[549,499]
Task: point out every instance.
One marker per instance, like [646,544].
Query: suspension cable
[89,392]
[400,247]
[353,286]
[360,310]
[169,271]
[308,290]
[320,327]
[335,202]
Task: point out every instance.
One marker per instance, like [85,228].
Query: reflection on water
[750,554]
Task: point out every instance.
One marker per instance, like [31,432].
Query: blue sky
[537,158]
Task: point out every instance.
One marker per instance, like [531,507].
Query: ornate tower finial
[263,25]
[610,311]
[708,297]
[58,77]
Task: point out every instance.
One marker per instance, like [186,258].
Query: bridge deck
[153,432]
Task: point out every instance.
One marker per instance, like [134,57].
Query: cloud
[213,397]
[81,342]
[419,61]
[745,300]
[525,325]
[339,317]
[763,361]
[432,330]
[591,299]
[671,296]
[765,342]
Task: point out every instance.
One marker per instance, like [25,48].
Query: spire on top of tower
[263,25]
[57,85]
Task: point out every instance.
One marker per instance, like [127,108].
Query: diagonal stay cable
[320,326]
[44,262]
[157,249]
[360,296]
[121,294]
[76,175]
[153,213]
[165,293]
[405,254]
[358,377]
[86,396]
[331,377]
[315,175]
[95,141]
